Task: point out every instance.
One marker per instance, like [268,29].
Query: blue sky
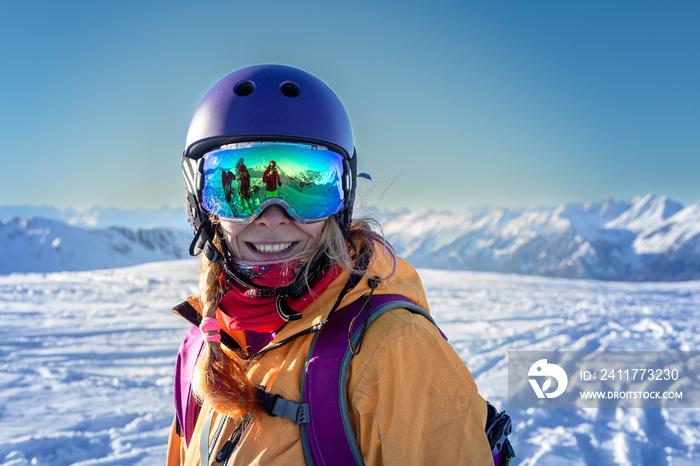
[454,104]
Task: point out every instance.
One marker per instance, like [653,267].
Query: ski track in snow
[87,358]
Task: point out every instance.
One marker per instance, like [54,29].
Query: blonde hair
[219,376]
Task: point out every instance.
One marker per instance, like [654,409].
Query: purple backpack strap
[324,387]
[186,409]
[324,384]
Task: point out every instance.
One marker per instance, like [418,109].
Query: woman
[273,280]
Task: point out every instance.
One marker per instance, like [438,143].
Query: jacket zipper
[217,435]
[227,450]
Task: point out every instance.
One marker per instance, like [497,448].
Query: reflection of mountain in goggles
[242,180]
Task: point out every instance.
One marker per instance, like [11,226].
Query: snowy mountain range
[165,217]
[648,238]
[32,244]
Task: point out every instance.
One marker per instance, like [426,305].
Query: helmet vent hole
[244,88]
[289,89]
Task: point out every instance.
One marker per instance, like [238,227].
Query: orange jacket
[412,400]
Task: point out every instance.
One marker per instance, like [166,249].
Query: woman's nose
[273,216]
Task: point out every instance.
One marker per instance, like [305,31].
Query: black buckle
[266,401]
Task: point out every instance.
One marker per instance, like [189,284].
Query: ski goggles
[242,180]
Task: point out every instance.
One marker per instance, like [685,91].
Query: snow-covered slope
[87,361]
[42,245]
[647,212]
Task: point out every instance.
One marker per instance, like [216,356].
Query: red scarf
[244,310]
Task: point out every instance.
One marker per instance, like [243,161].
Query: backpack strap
[186,409]
[324,383]
[323,413]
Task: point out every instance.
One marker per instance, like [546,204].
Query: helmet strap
[203,231]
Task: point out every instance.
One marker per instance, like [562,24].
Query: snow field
[485,315]
[86,361]
[86,364]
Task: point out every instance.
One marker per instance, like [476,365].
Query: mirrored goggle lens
[241,180]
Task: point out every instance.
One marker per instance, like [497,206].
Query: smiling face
[271,237]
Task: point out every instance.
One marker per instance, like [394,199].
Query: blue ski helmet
[269,102]
[266,103]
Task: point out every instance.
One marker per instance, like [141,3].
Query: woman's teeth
[271,248]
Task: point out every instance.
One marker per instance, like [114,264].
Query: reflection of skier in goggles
[244,185]
[271,178]
[227,178]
